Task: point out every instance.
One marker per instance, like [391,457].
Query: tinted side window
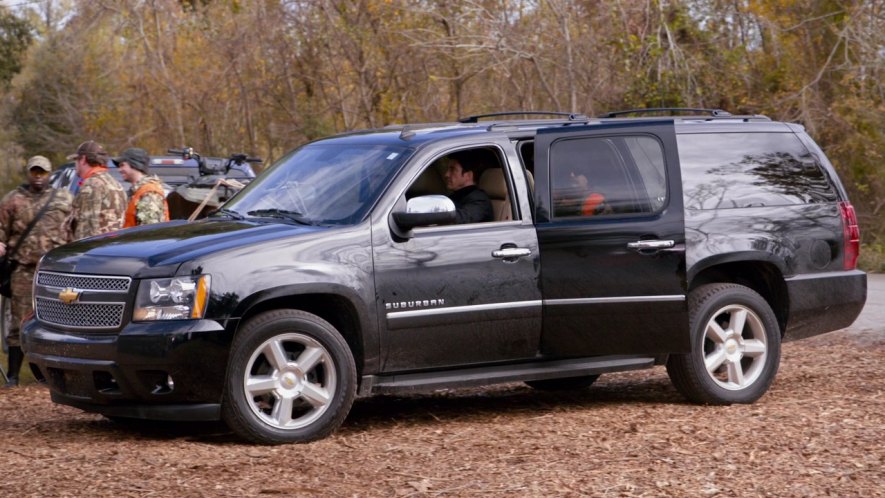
[737,170]
[489,175]
[603,176]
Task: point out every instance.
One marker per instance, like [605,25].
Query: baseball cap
[137,158]
[93,152]
[39,162]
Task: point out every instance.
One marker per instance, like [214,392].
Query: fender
[310,295]
[734,257]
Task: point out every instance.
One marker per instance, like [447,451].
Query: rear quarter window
[740,170]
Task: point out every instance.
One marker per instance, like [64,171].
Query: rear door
[612,241]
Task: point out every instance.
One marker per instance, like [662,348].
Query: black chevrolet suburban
[699,242]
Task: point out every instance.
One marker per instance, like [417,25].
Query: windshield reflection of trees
[327,184]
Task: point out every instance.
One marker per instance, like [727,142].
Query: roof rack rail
[711,112]
[536,123]
[572,116]
[409,130]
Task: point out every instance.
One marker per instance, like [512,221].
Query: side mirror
[426,210]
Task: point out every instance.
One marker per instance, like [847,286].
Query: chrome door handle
[651,244]
[511,253]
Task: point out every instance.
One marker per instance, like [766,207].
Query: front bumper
[128,374]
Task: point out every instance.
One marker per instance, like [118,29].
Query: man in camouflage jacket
[17,209]
[147,199]
[101,202]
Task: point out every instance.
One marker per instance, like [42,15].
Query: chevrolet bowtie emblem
[69,295]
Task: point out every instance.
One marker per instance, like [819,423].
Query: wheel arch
[336,308]
[760,272]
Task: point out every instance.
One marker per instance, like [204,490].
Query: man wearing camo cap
[147,199]
[101,201]
[17,211]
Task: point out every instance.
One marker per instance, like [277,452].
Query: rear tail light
[850,235]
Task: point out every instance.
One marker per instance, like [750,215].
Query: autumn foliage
[265,76]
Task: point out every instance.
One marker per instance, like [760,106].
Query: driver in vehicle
[472,204]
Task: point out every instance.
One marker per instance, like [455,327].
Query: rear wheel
[291,378]
[563,384]
[735,347]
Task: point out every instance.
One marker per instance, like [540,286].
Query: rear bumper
[824,302]
[128,374]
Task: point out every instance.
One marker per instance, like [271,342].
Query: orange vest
[92,171]
[591,204]
[150,187]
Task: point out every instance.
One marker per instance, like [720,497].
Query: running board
[481,376]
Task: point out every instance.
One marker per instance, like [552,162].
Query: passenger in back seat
[594,202]
[577,197]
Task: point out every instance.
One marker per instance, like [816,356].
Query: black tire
[563,384]
[743,362]
[291,379]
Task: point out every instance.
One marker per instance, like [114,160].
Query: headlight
[179,298]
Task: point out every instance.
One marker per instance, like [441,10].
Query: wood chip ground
[820,431]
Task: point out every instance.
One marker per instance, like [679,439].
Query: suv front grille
[94,302]
[83,282]
[80,315]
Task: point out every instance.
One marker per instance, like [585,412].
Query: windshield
[322,184]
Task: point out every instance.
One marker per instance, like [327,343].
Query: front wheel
[735,347]
[291,378]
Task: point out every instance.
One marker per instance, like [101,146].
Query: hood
[158,250]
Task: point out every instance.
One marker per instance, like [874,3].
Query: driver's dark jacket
[472,205]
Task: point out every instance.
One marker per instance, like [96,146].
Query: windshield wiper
[229,212]
[281,213]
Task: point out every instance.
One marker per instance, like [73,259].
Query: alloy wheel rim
[735,347]
[289,381]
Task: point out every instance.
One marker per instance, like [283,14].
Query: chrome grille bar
[80,315]
[97,302]
[83,282]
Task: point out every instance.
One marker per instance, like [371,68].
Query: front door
[610,227]
[460,295]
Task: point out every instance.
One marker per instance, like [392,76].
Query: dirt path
[818,432]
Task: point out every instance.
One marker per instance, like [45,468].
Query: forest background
[265,76]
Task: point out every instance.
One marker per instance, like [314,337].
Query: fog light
[161,385]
